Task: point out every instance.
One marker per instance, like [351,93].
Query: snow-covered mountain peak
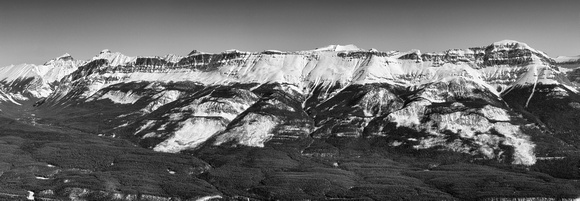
[508,42]
[65,56]
[196,52]
[273,51]
[115,59]
[172,58]
[413,54]
[565,59]
[233,51]
[36,80]
[416,51]
[105,51]
[339,48]
[512,44]
[60,60]
[193,52]
[461,52]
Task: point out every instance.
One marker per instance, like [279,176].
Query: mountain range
[501,105]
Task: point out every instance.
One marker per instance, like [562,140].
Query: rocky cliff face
[451,100]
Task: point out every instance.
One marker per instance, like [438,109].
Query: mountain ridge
[312,78]
[349,47]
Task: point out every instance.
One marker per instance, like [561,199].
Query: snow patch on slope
[537,74]
[189,124]
[148,124]
[119,97]
[494,113]
[191,134]
[209,197]
[7,97]
[523,146]
[253,130]
[480,131]
[162,99]
[477,125]
[411,115]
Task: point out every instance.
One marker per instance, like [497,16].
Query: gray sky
[36,31]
